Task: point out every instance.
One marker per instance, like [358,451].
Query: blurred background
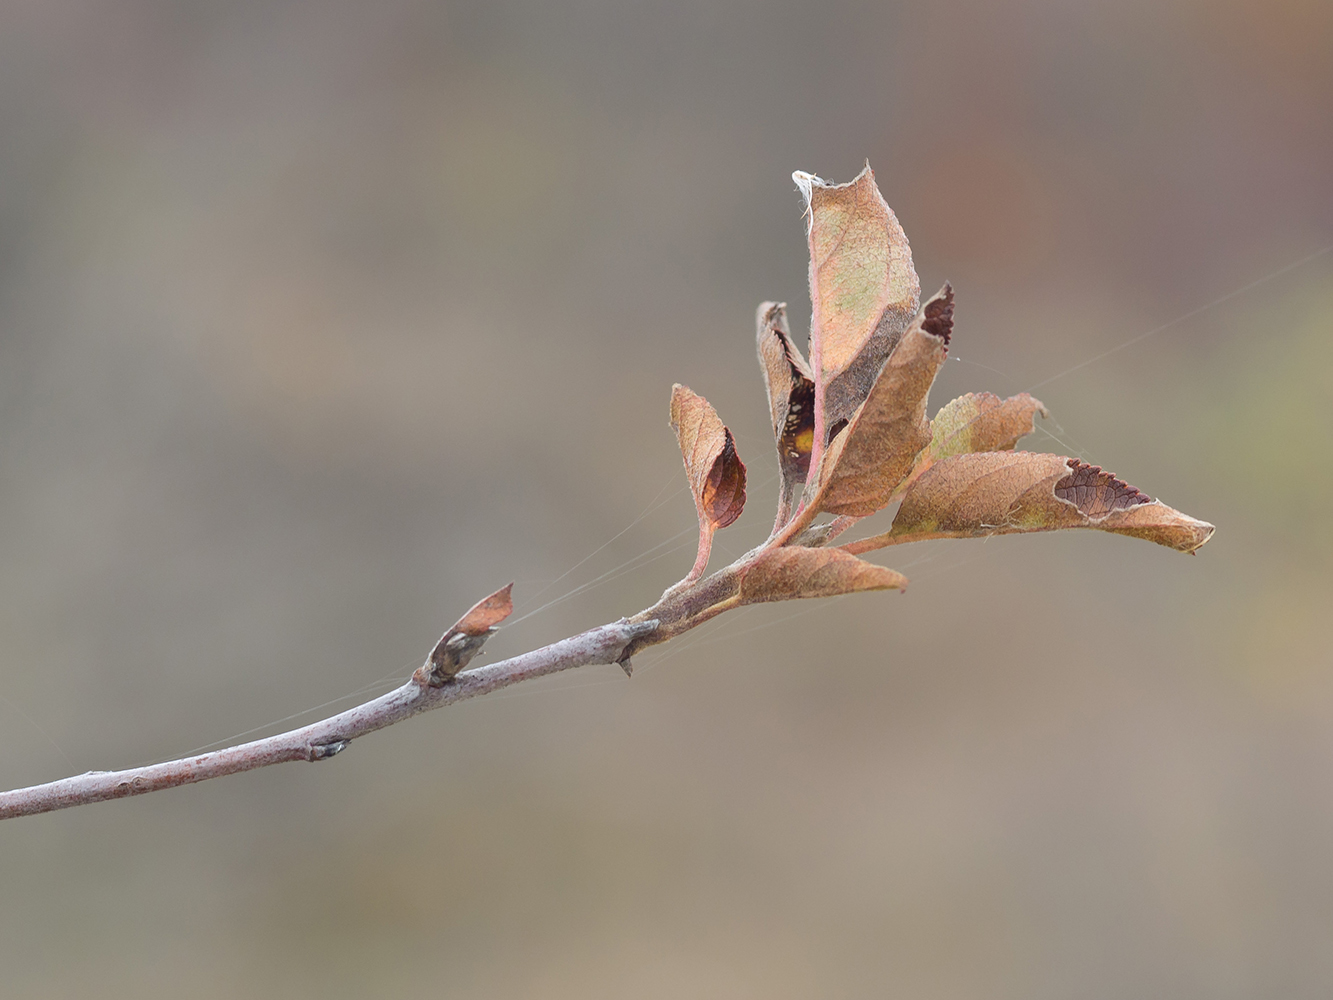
[319,321]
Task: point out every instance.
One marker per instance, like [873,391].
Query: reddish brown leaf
[716,474]
[786,573]
[876,451]
[863,287]
[458,645]
[1096,493]
[991,493]
[715,471]
[487,613]
[791,401]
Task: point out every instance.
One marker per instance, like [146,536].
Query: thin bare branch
[683,607]
[321,740]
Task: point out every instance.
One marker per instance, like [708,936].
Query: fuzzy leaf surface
[863,288]
[977,421]
[786,573]
[982,421]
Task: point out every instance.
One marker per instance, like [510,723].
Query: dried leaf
[717,477]
[982,421]
[791,401]
[878,448]
[863,288]
[989,493]
[715,471]
[1156,522]
[460,644]
[487,613]
[977,421]
[786,573]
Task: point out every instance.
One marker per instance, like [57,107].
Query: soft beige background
[319,321]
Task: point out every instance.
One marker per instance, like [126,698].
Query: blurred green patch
[1260,418]
[1265,424]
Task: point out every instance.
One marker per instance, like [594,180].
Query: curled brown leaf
[990,493]
[715,471]
[791,401]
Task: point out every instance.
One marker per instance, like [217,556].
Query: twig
[437,682]
[321,740]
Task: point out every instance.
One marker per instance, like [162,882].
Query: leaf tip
[1188,534]
[938,314]
[770,323]
[680,397]
[487,613]
[1113,505]
[770,314]
[1163,525]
